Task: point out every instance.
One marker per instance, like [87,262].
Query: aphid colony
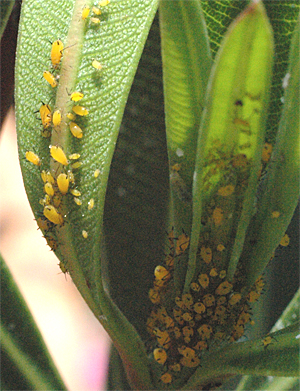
[213,312]
[62,182]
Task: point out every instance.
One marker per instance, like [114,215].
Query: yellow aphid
[163,338]
[95,20]
[75,130]
[48,177]
[103,3]
[97,65]
[154,296]
[97,173]
[175,367]
[222,274]
[267,341]
[75,192]
[49,189]
[33,158]
[182,243]
[285,241]
[187,316]
[187,300]
[71,176]
[76,165]
[74,156]
[80,110]
[195,287]
[168,322]
[84,234]
[50,78]
[201,345]
[235,298]
[213,272]
[63,268]
[188,331]
[51,213]
[189,358]
[96,11]
[58,154]
[275,214]
[220,247]
[45,113]
[91,203]
[85,12]
[77,201]
[199,308]
[166,378]
[221,300]
[43,224]
[63,183]
[203,280]
[226,191]
[206,254]
[52,243]
[76,96]
[160,355]
[208,300]
[205,331]
[161,273]
[253,296]
[266,153]
[56,53]
[178,315]
[56,118]
[224,288]
[45,201]
[218,216]
[71,116]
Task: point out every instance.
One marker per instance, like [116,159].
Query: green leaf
[186,65]
[232,133]
[281,187]
[279,358]
[25,361]
[105,95]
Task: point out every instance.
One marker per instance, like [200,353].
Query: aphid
[45,113]
[199,308]
[266,153]
[235,298]
[213,272]
[76,165]
[49,189]
[56,52]
[63,268]
[160,355]
[97,65]
[187,316]
[203,280]
[75,192]
[163,338]
[285,241]
[95,20]
[96,11]
[44,224]
[187,300]
[76,96]
[84,234]
[56,200]
[45,201]
[267,340]
[47,177]
[166,378]
[75,130]
[50,78]
[71,176]
[33,158]
[201,345]
[77,201]
[168,322]
[218,216]
[205,331]
[52,243]
[74,156]
[51,213]
[178,315]
[224,288]
[253,296]
[222,274]
[226,191]
[195,287]
[220,247]
[275,214]
[97,173]
[58,154]
[85,12]
[103,3]
[161,273]
[175,367]
[80,110]
[154,296]
[63,183]
[91,203]
[208,300]
[71,116]
[206,254]
[56,118]
[189,358]
[182,243]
